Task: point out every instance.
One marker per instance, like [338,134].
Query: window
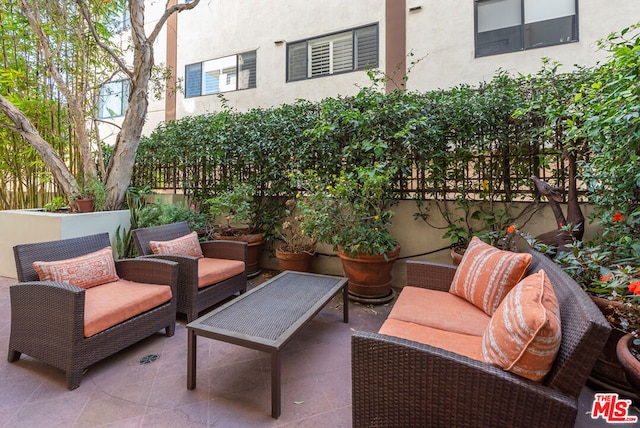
[120,22]
[114,98]
[513,25]
[335,53]
[230,73]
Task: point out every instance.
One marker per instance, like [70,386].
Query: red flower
[560,224]
[634,287]
[617,216]
[606,278]
[511,229]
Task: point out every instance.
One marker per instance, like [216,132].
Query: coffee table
[266,318]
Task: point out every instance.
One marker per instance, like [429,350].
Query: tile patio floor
[233,382]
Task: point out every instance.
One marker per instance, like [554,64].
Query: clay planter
[299,262]
[629,362]
[254,251]
[370,276]
[456,254]
[84,205]
[608,371]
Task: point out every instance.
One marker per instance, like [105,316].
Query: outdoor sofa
[209,271]
[426,368]
[59,322]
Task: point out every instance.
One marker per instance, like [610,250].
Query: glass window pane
[193,80]
[342,54]
[219,75]
[247,70]
[542,10]
[113,99]
[367,47]
[550,32]
[297,61]
[496,14]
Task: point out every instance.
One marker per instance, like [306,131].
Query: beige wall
[442,33]
[416,238]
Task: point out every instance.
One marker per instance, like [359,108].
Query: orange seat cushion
[85,271]
[439,309]
[462,344]
[524,334]
[187,245]
[486,274]
[110,304]
[211,271]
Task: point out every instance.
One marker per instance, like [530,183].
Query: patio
[233,388]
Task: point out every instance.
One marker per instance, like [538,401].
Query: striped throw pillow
[85,271]
[187,245]
[486,274]
[524,334]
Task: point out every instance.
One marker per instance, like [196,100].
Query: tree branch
[167,13]
[87,18]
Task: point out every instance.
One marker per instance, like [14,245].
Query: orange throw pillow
[486,274]
[524,334]
[187,245]
[85,271]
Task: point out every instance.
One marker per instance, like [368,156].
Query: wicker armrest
[435,276]
[187,266]
[51,309]
[398,382]
[223,249]
[149,270]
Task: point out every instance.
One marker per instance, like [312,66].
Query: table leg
[275,385]
[191,359]
[345,303]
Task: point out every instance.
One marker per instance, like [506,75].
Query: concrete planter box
[27,226]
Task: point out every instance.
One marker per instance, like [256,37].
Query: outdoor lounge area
[145,385]
[337,214]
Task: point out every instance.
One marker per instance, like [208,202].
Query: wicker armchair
[47,318]
[191,299]
[400,383]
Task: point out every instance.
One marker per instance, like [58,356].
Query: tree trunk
[45,150]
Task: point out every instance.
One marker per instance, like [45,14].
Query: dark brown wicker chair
[191,299]
[400,383]
[47,318]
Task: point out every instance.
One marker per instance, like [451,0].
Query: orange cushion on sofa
[439,309]
[462,344]
[524,334]
[211,271]
[85,271]
[115,302]
[187,245]
[486,274]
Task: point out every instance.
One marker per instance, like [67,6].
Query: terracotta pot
[254,242]
[84,205]
[629,362]
[456,254]
[370,276]
[299,262]
[608,372]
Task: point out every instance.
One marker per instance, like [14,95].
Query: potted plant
[350,211]
[92,195]
[298,247]
[237,210]
[608,269]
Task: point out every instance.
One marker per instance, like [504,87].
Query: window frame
[331,38]
[251,83]
[522,25]
[124,98]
